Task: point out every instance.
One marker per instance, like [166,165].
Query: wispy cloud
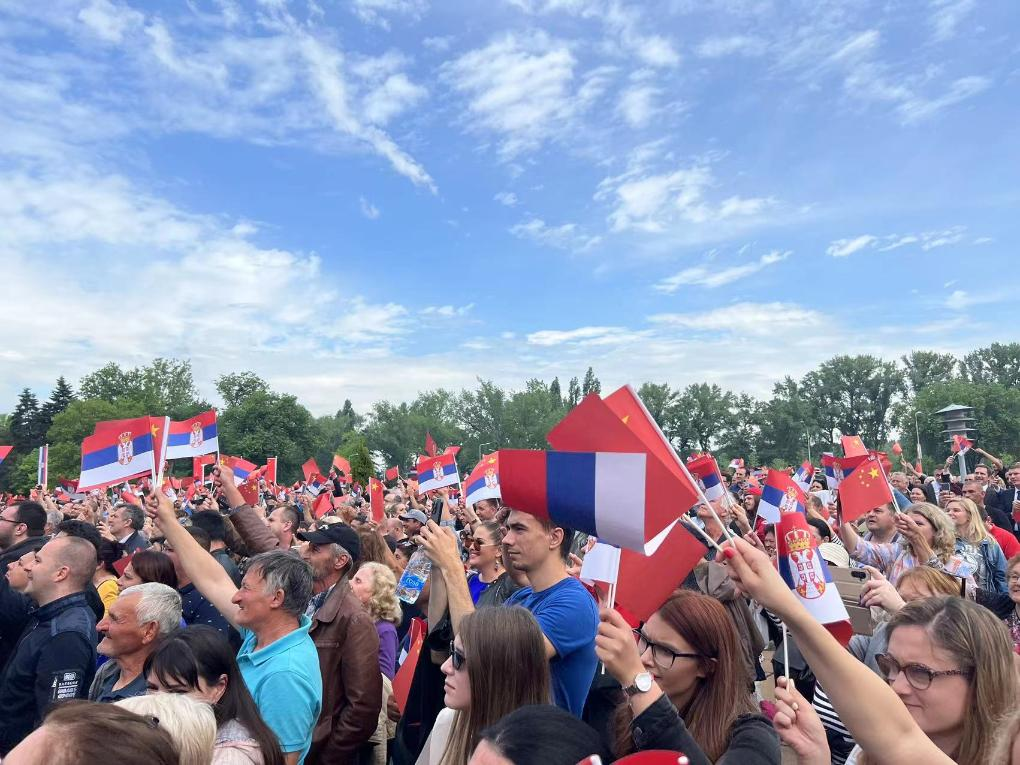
[447,311]
[711,277]
[733,45]
[368,209]
[568,236]
[743,319]
[841,248]
[947,15]
[584,336]
[961,300]
[506,198]
[377,11]
[926,240]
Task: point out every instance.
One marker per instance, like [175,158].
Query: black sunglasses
[457,658]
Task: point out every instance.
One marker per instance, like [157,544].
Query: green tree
[397,432]
[925,368]
[998,363]
[235,387]
[355,449]
[703,412]
[554,389]
[530,415]
[591,383]
[573,393]
[25,422]
[784,422]
[59,400]
[739,433]
[163,387]
[75,423]
[270,424]
[108,383]
[25,472]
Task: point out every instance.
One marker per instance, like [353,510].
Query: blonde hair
[383,604]
[980,644]
[975,531]
[190,723]
[943,542]
[931,580]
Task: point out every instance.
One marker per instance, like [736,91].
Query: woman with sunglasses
[685,685]
[488,582]
[497,664]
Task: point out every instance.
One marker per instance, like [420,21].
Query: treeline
[861,395]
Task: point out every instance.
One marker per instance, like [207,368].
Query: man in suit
[1008,500]
[125,525]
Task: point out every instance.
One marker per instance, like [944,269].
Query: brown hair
[90,733]
[152,566]
[979,643]
[375,550]
[722,694]
[507,669]
[932,580]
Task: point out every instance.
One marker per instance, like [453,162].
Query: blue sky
[370,198]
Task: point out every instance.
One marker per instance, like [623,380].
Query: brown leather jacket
[348,646]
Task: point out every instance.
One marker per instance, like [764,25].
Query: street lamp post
[917,429]
[480,449]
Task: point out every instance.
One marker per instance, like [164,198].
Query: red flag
[626,405]
[883,458]
[897,449]
[198,465]
[131,498]
[122,563]
[961,444]
[270,471]
[250,491]
[4,451]
[343,464]
[645,582]
[375,490]
[430,445]
[392,474]
[322,504]
[402,680]
[451,450]
[853,446]
[864,489]
[310,468]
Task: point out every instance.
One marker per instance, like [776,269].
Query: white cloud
[447,311]
[734,45]
[438,44]
[917,109]
[507,198]
[376,11]
[841,248]
[567,236]
[109,22]
[395,96]
[368,209]
[637,104]
[708,276]
[744,319]
[523,89]
[947,17]
[584,336]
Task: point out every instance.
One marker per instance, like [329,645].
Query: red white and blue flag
[4,451]
[599,493]
[114,455]
[807,575]
[437,472]
[839,468]
[241,467]
[483,483]
[43,468]
[780,495]
[804,475]
[706,471]
[193,437]
[159,427]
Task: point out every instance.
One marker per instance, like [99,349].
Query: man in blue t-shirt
[566,612]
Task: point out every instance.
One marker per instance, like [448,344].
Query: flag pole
[704,535]
[704,500]
[786,655]
[611,595]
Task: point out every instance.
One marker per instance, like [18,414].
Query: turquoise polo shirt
[285,682]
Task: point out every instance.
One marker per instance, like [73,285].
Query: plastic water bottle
[412,581]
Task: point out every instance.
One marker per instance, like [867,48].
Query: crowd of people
[214,629]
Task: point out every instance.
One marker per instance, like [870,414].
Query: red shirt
[1006,540]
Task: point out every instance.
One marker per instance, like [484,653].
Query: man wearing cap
[344,634]
[413,521]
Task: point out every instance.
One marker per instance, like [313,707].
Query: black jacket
[14,552]
[10,632]
[55,661]
[135,542]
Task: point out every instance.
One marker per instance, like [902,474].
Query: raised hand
[799,726]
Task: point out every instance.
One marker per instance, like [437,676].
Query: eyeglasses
[1013,578]
[477,544]
[660,653]
[457,657]
[8,520]
[919,676]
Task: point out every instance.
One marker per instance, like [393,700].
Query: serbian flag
[599,493]
[4,451]
[430,445]
[853,446]
[961,444]
[483,483]
[864,490]
[115,455]
[375,493]
[807,575]
[736,463]
[392,474]
[310,468]
[706,471]
[193,437]
[198,466]
[241,467]
[270,470]
[779,496]
[838,468]
[42,472]
[437,471]
[343,465]
[454,450]
[159,427]
[804,475]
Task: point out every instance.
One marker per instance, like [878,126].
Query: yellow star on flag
[874,472]
[625,418]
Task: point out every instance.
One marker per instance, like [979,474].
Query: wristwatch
[642,684]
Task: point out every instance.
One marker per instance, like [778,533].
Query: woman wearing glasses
[497,664]
[685,684]
[489,583]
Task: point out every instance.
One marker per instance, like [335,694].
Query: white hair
[191,723]
[158,603]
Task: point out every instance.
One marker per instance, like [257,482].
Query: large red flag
[375,491]
[344,466]
[322,504]
[270,471]
[392,474]
[853,446]
[430,445]
[310,468]
[864,489]
[645,582]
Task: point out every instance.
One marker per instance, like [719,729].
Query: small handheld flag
[483,483]
[310,468]
[437,471]
[779,496]
[42,472]
[430,445]
[343,465]
[375,493]
[114,455]
[4,451]
[392,474]
[864,490]
[853,446]
[804,475]
[193,437]
[706,470]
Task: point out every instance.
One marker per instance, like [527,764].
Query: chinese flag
[375,490]
[853,446]
[344,466]
[322,504]
[270,472]
[392,474]
[250,491]
[310,468]
[883,458]
[430,444]
[864,489]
